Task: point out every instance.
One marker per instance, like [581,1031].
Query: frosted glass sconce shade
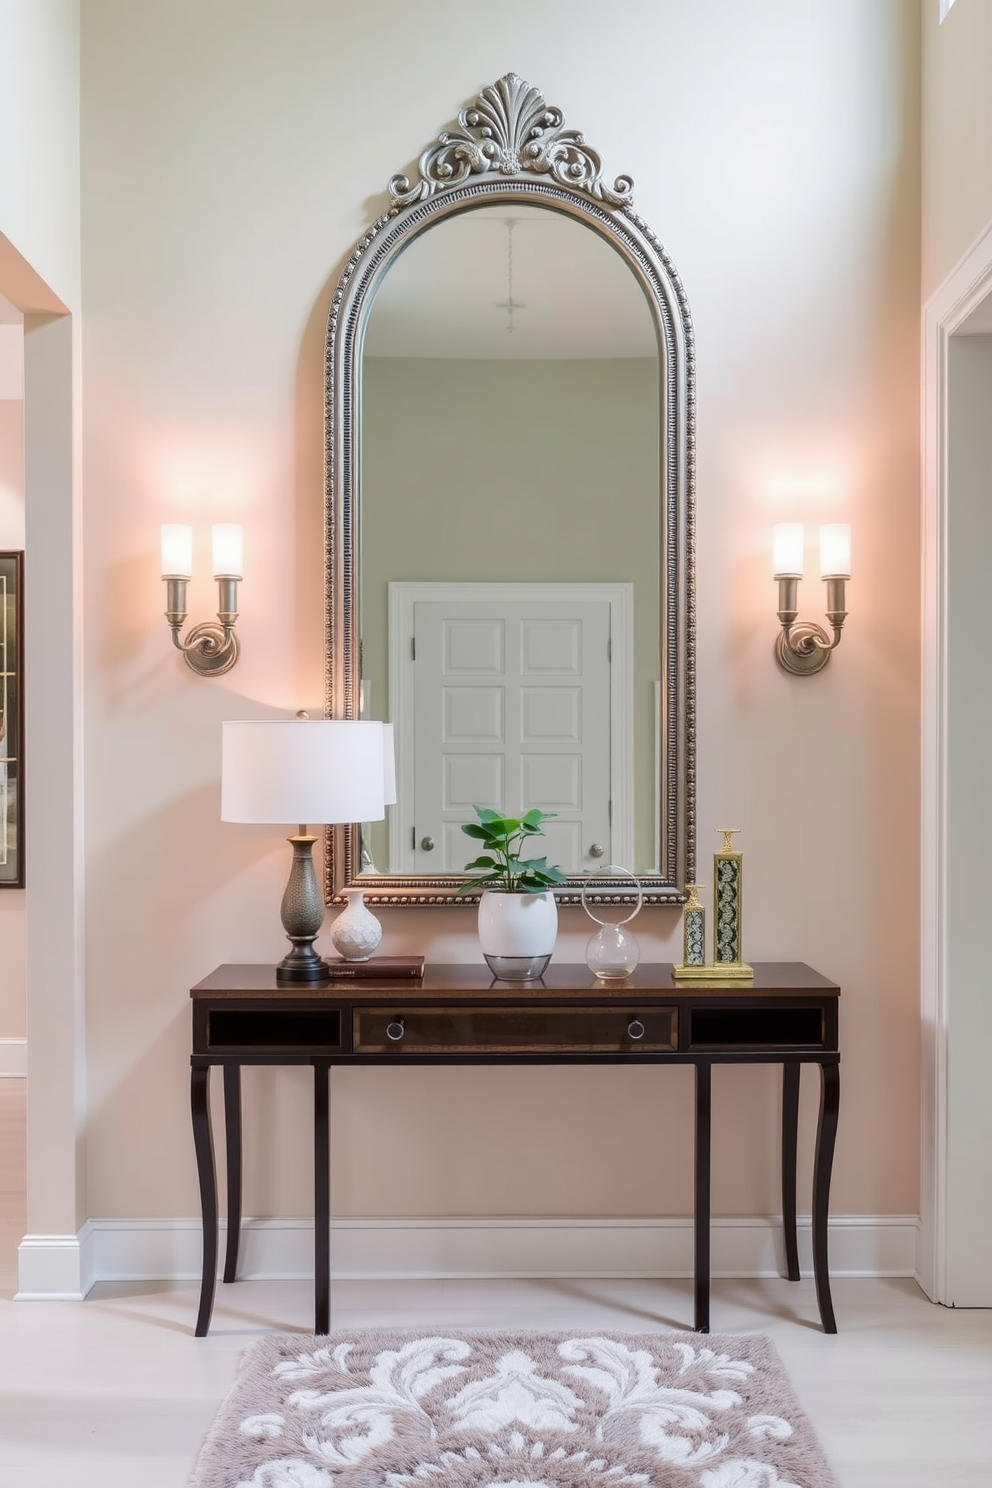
[788,540]
[177,551]
[835,551]
[227,550]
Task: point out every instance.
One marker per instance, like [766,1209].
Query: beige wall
[232,154]
[524,483]
[957,134]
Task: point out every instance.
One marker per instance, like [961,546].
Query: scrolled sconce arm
[208,649]
[804,647]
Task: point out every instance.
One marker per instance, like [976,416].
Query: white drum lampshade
[324,771]
[302,770]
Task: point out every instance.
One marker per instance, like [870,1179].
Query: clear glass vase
[613,952]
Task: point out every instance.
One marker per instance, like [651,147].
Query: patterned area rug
[512,1410]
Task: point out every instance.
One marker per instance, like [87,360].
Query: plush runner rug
[514,1409]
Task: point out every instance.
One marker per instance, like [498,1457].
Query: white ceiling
[447,295]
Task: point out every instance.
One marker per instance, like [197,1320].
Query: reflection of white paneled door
[511,696]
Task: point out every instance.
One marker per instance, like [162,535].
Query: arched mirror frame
[510,147]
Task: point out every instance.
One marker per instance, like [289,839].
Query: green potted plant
[518,916]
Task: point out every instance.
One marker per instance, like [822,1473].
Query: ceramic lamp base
[302,914]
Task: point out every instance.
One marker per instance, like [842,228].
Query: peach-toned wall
[956,135]
[12,916]
[232,153]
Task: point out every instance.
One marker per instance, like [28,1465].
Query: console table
[458,1015]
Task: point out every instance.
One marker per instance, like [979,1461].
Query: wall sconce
[802,647]
[209,649]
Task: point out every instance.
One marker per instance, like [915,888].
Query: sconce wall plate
[803,649]
[207,651]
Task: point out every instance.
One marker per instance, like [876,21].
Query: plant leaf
[472,886]
[534,817]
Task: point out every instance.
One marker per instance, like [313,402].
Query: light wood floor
[13,1182]
[115,1391]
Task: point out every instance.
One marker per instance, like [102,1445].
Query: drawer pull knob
[636,1029]
[395,1030]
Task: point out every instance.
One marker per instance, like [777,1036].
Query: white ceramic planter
[356,932]
[517,933]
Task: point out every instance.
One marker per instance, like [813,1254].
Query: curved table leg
[321,1198]
[204,1147]
[704,1085]
[232,1139]
[790,1144]
[826,1134]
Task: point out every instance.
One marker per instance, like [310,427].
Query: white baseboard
[393,1249]
[50,1267]
[13,1058]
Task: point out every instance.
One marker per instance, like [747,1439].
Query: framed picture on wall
[11,720]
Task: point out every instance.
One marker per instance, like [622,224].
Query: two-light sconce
[803,647]
[209,649]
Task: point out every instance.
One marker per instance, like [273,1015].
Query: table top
[561,980]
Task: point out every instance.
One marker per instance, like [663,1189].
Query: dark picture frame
[11,720]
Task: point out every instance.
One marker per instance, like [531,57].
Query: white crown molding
[13,1058]
[117,1250]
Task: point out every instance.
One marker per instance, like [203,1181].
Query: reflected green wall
[525,471]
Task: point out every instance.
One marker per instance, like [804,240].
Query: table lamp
[302,770]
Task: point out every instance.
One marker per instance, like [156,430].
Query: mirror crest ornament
[510,131]
[512,148]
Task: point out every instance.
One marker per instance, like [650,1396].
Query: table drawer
[514,1030]
[282,1030]
[782,1027]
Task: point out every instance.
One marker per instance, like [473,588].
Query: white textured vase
[517,933]
[356,932]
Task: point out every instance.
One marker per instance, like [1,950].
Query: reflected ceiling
[449,294]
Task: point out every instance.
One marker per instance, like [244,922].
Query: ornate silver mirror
[509,517]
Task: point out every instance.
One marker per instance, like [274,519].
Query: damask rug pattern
[512,1410]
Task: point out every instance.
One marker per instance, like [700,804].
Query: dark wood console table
[459,1015]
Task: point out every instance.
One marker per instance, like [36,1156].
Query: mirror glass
[509,540]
